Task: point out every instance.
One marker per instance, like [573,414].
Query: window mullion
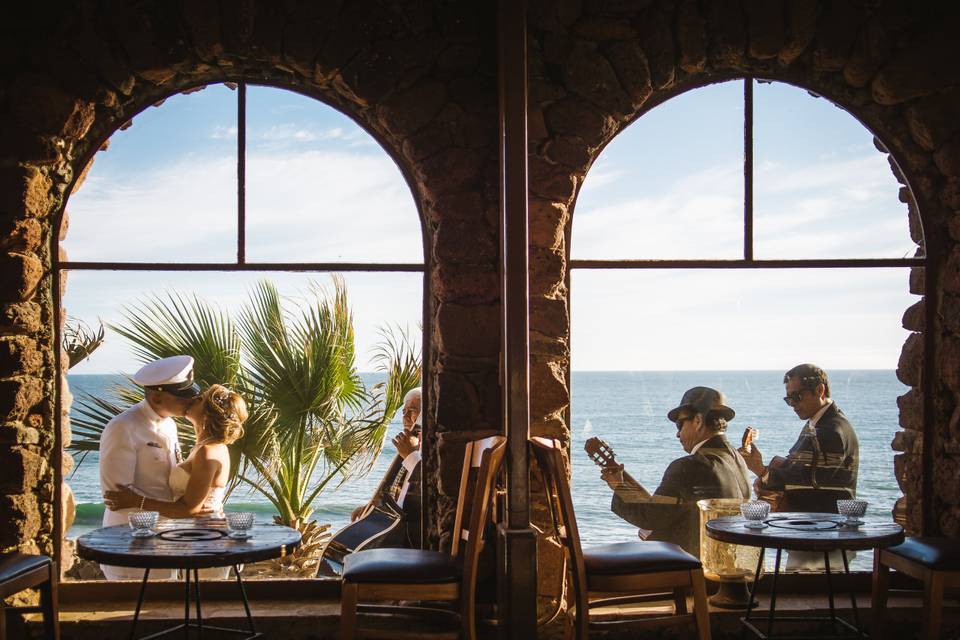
[242,173]
[748,168]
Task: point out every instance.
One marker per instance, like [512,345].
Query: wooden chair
[935,561]
[422,575]
[19,571]
[646,571]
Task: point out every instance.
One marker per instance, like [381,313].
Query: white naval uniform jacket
[138,449]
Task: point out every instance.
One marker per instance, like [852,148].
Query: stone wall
[420,77]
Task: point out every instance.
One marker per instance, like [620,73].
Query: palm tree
[312,420]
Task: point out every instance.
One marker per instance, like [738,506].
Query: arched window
[214,191]
[727,235]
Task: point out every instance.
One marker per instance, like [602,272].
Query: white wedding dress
[180,478]
[178,481]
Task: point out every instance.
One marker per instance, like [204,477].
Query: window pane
[377,301]
[321,189]
[822,190]
[166,188]
[670,185]
[641,338]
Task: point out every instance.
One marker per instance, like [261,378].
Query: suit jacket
[716,470]
[822,464]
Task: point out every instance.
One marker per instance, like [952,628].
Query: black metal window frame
[240,264]
[748,261]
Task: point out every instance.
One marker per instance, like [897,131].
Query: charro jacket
[716,470]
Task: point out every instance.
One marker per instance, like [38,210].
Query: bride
[199,482]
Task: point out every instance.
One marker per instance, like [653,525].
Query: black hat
[703,400]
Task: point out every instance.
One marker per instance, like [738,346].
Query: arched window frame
[240,264]
[748,261]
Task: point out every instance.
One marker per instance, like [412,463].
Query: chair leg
[348,611]
[49,605]
[881,586]
[932,605]
[701,610]
[680,600]
[468,616]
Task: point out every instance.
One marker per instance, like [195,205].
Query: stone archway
[409,78]
[594,69]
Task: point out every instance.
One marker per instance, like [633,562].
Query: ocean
[627,409]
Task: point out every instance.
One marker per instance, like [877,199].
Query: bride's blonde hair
[224,413]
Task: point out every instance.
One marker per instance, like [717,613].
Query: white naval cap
[173,375]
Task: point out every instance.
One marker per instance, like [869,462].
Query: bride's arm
[202,474]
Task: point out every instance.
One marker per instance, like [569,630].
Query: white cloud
[221,132]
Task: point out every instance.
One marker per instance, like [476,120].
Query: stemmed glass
[853,510]
[239,523]
[143,523]
[755,512]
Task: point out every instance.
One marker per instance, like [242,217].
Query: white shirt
[138,449]
[697,446]
[819,414]
[409,464]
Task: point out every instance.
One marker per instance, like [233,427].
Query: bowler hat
[703,400]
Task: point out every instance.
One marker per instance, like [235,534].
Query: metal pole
[516,540]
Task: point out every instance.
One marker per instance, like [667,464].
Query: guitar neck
[631,485]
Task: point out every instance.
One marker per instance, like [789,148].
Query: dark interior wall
[420,76]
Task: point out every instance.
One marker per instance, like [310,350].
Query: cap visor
[187,392]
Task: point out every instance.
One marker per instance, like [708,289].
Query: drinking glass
[755,512]
[239,524]
[143,523]
[853,510]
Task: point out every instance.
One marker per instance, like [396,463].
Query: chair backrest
[552,465]
[481,463]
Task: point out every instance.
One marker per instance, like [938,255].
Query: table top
[806,532]
[186,544]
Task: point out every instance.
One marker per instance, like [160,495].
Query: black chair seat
[941,554]
[632,558]
[14,564]
[401,566]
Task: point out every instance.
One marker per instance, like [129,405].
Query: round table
[189,545]
[812,532]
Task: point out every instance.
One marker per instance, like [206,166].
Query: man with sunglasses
[822,464]
[711,470]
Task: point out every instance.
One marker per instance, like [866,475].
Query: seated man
[822,464]
[404,488]
[713,469]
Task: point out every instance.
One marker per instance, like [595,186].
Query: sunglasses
[680,421]
[795,397]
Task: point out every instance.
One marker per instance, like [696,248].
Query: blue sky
[670,186]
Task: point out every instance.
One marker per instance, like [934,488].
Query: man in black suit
[713,469]
[405,489]
[822,464]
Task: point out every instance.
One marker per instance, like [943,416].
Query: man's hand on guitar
[406,443]
[612,475]
[355,515]
[750,453]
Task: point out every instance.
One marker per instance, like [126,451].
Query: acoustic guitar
[602,455]
[378,526]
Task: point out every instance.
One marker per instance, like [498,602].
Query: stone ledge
[319,619]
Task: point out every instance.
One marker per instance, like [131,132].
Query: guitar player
[712,469]
[406,487]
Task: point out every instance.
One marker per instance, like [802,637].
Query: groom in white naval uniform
[139,447]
